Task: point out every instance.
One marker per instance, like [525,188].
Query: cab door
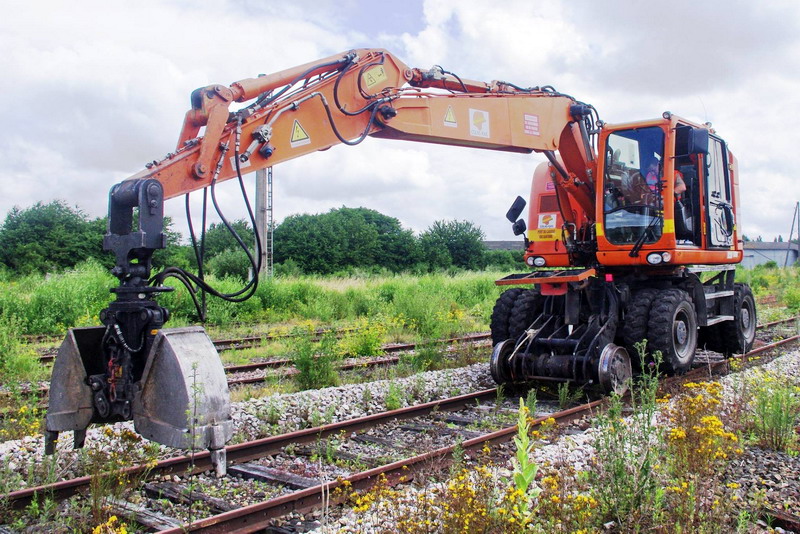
[719,211]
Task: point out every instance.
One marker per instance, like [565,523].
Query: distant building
[505,245]
[758,253]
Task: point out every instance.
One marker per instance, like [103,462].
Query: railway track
[246,376]
[245,460]
[251,373]
[255,516]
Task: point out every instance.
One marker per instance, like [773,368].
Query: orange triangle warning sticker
[299,135]
[450,117]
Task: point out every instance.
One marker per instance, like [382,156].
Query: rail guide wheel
[499,364]
[614,369]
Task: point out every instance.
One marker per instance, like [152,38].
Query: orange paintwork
[487,118]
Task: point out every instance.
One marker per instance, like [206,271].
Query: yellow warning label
[299,135]
[374,76]
[543,235]
[450,118]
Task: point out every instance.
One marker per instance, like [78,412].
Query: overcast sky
[94,89]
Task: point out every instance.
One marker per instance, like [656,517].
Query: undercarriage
[589,327]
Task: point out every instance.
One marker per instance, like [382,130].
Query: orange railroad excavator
[622,220]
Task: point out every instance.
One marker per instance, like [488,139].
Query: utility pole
[264,223]
[795,219]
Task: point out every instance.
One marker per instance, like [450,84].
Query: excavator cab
[667,196]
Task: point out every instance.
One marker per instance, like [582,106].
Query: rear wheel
[672,330]
[502,313]
[737,336]
[526,308]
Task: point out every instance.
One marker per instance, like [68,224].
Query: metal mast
[264,221]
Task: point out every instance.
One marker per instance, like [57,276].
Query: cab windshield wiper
[640,242]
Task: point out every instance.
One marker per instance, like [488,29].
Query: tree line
[55,236]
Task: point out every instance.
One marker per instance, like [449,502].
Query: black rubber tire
[502,313]
[737,336]
[637,315]
[526,308]
[672,330]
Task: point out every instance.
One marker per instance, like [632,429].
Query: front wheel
[672,329]
[526,308]
[501,314]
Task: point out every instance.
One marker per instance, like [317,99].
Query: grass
[433,305]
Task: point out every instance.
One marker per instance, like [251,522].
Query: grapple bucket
[182,399]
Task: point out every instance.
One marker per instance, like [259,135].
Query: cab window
[632,203]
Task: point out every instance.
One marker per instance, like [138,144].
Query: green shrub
[366,340]
[394,399]
[315,363]
[791,298]
[231,263]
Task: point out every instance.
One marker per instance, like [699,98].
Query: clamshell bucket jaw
[70,398]
[182,399]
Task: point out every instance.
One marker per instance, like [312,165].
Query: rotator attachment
[170,382]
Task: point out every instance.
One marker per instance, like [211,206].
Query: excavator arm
[368,92]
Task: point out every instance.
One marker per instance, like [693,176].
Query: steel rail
[258,516]
[283,362]
[237,344]
[253,341]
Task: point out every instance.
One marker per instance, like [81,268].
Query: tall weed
[18,362]
[776,412]
[315,362]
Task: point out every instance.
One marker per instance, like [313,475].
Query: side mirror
[519,227]
[516,208]
[690,140]
[698,141]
